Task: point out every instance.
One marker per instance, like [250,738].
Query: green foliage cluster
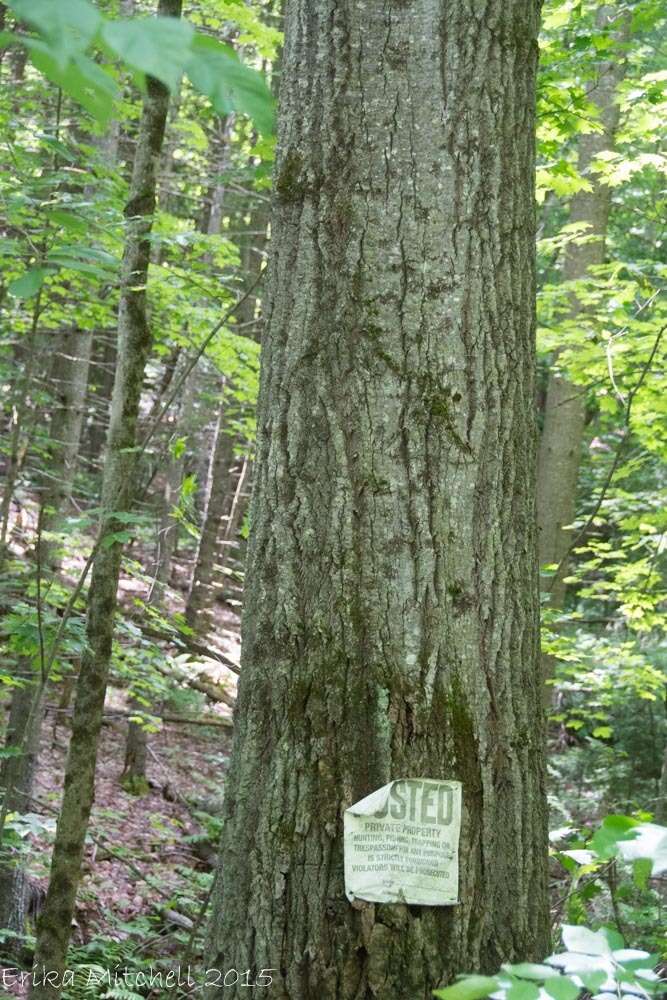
[162,47]
[608,640]
[598,961]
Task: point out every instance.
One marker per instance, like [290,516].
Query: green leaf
[612,937]
[522,990]
[81,78]
[58,147]
[28,284]
[584,941]
[215,70]
[70,222]
[469,988]
[87,260]
[177,447]
[116,538]
[593,980]
[651,843]
[561,988]
[127,517]
[10,248]
[557,18]
[529,970]
[641,872]
[613,830]
[634,959]
[68,26]
[157,46]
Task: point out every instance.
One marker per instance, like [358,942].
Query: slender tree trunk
[217,492]
[252,248]
[237,508]
[133,778]
[661,812]
[565,405]
[98,403]
[70,379]
[16,781]
[391,618]
[253,245]
[212,212]
[168,525]
[27,357]
[218,478]
[661,805]
[134,344]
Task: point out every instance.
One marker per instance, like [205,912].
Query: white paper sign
[402,843]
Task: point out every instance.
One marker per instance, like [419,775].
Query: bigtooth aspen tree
[565,404]
[391,618]
[134,341]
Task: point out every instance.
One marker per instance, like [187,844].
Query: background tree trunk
[217,491]
[565,406]
[134,340]
[70,384]
[16,781]
[391,619]
[98,403]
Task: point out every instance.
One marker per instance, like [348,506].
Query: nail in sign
[402,843]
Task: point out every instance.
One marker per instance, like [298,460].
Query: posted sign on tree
[402,842]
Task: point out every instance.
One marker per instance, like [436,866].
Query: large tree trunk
[565,405]
[391,619]
[134,344]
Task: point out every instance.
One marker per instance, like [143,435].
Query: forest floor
[144,851]
[149,857]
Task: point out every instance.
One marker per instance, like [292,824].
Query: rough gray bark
[134,334]
[16,784]
[391,618]
[565,405]
[217,491]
